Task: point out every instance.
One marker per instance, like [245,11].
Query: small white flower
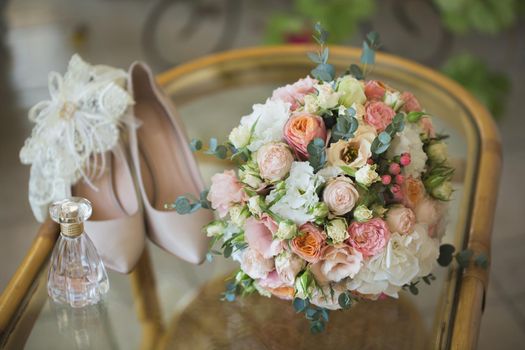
[239,214]
[327,97]
[250,178]
[408,141]
[362,213]
[393,99]
[255,205]
[367,175]
[337,230]
[300,197]
[215,228]
[240,136]
[270,118]
[287,230]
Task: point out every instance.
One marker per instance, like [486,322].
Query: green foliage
[341,18]
[414,117]
[490,87]
[487,16]
[413,288]
[382,141]
[189,204]
[345,300]
[446,254]
[317,154]
[317,316]
[241,285]
[345,126]
[324,71]
[371,44]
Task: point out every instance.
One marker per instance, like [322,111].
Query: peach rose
[274,160]
[428,212]
[375,90]
[379,115]
[309,243]
[295,93]
[301,129]
[288,265]
[225,191]
[337,262]
[340,195]
[255,265]
[259,238]
[411,104]
[400,219]
[413,192]
[369,237]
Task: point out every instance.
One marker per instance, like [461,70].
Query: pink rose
[337,262]
[340,195]
[426,125]
[413,192]
[295,93]
[301,129]
[288,265]
[428,212]
[379,115]
[411,103]
[368,237]
[274,161]
[309,243]
[400,219]
[374,90]
[259,238]
[225,191]
[255,265]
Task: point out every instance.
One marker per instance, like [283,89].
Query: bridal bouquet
[340,192]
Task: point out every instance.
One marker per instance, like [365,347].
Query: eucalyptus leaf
[384,138]
[195,145]
[324,72]
[367,54]
[446,252]
[357,72]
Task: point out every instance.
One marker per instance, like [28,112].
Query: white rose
[300,196]
[393,99]
[408,141]
[240,136]
[351,90]
[438,152]
[311,104]
[362,213]
[337,230]
[255,265]
[270,118]
[367,175]
[288,266]
[327,97]
[426,249]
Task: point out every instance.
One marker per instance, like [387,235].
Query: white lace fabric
[72,130]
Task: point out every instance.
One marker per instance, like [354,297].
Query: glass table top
[211,98]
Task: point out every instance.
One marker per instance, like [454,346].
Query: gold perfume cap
[70,214]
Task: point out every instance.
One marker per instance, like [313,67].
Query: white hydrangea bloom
[408,141]
[425,248]
[388,271]
[301,194]
[270,118]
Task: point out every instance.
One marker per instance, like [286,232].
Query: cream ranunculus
[367,175]
[354,152]
[351,90]
[340,195]
[288,266]
[438,152]
[337,230]
[362,213]
[274,160]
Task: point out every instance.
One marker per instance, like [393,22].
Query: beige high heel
[165,169]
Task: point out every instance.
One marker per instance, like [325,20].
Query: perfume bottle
[76,274]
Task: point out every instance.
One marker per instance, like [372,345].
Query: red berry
[370,161]
[405,159]
[386,179]
[400,179]
[394,168]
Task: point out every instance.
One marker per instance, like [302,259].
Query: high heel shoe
[75,149]
[165,169]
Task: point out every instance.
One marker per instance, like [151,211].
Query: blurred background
[479,43]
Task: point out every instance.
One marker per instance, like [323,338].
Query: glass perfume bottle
[77,275]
